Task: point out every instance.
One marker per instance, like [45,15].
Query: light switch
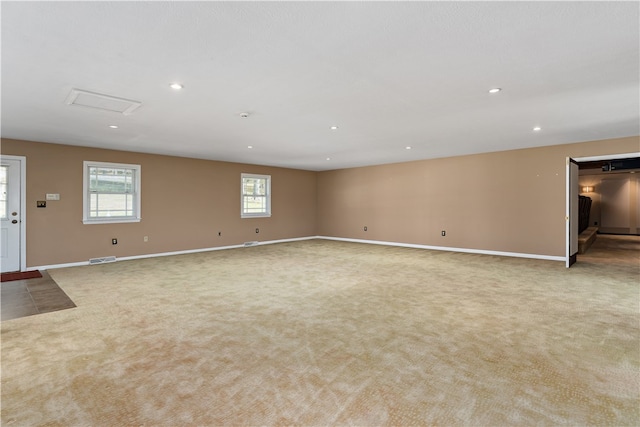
[53,196]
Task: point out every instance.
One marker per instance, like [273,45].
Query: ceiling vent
[98,101]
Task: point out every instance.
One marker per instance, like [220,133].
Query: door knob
[15,221]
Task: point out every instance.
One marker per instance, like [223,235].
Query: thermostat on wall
[53,196]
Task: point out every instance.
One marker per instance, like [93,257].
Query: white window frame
[267,213]
[86,199]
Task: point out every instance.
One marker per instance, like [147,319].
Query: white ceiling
[389,74]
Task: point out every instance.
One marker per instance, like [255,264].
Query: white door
[573,191]
[10,215]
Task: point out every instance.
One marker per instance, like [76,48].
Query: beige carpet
[330,333]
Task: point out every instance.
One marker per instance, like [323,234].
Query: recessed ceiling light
[495,90]
[537,128]
[328,158]
[113,126]
[244,115]
[407,148]
[249,146]
[334,127]
[176,86]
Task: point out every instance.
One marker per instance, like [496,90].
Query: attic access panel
[99,101]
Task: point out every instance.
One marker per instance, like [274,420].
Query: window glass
[256,196]
[111,193]
[3,192]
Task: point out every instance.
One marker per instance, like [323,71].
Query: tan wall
[511,201]
[185,202]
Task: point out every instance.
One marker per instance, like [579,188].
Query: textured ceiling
[389,74]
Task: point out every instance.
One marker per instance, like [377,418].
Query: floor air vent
[253,243]
[102,260]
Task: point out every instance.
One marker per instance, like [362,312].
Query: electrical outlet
[444,233]
[365,228]
[146,238]
[114,241]
[257,230]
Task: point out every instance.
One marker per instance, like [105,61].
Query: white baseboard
[342,239]
[53,266]
[188,251]
[445,248]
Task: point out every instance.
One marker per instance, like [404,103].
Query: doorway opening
[608,188]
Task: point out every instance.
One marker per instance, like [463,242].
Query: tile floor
[20,298]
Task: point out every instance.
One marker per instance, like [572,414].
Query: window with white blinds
[255,196]
[111,193]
